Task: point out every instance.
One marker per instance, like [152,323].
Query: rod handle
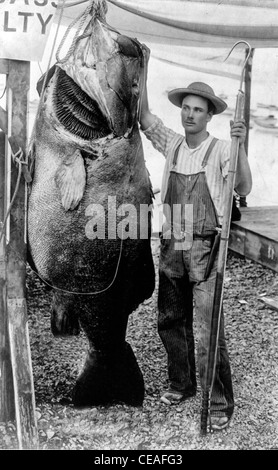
[240,105]
[204,412]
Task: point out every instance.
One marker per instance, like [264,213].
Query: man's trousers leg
[175,320]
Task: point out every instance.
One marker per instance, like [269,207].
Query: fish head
[97,85]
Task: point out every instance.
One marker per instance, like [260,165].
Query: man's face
[194,114]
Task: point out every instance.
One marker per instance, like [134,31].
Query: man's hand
[238,129]
[243,183]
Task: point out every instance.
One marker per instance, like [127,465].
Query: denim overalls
[183,284]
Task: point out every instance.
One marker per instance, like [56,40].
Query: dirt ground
[252,337]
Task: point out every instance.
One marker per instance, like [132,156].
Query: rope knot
[18,156]
[99,9]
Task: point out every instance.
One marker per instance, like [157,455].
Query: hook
[246,59]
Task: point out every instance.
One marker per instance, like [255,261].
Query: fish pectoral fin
[71,180]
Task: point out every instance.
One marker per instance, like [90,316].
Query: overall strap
[206,157]
[208,152]
[176,154]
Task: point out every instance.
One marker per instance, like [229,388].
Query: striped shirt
[189,161]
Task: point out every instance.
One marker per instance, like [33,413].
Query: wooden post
[18,82]
[247,90]
[7,408]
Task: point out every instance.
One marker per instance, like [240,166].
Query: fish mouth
[77,112]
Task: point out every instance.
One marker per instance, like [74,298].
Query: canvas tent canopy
[209,27]
[202,24]
[206,23]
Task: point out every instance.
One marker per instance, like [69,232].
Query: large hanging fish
[89,226]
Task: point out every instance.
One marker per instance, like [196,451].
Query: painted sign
[24,28]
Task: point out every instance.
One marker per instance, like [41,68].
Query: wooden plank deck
[256,235]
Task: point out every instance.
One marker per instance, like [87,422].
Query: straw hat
[200,89]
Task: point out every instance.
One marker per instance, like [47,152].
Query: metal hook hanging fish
[246,59]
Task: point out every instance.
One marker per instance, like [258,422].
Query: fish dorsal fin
[71,179]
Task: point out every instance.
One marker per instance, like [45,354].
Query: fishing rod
[222,258]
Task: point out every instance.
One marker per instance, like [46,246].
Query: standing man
[195,175]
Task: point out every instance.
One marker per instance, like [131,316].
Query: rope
[53,46]
[95,8]
[89,293]
[18,158]
[39,276]
[84,293]
[47,69]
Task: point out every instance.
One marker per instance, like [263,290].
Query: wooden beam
[255,235]
[270,302]
[18,82]
[7,408]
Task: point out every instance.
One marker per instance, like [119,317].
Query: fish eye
[129,47]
